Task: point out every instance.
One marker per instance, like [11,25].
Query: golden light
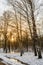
[12,52]
[1,37]
[12,39]
[14,60]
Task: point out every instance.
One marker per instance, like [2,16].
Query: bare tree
[5,30]
[24,8]
[34,36]
[7,19]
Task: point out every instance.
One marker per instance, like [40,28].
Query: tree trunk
[35,36]
[39,54]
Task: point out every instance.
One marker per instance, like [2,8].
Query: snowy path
[29,58]
[8,61]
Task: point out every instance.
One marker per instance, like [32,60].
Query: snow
[7,60]
[28,57]
[1,50]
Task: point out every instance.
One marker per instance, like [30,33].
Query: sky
[3,6]
[38,10]
[39,15]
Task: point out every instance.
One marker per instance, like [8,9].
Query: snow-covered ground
[9,61]
[28,57]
